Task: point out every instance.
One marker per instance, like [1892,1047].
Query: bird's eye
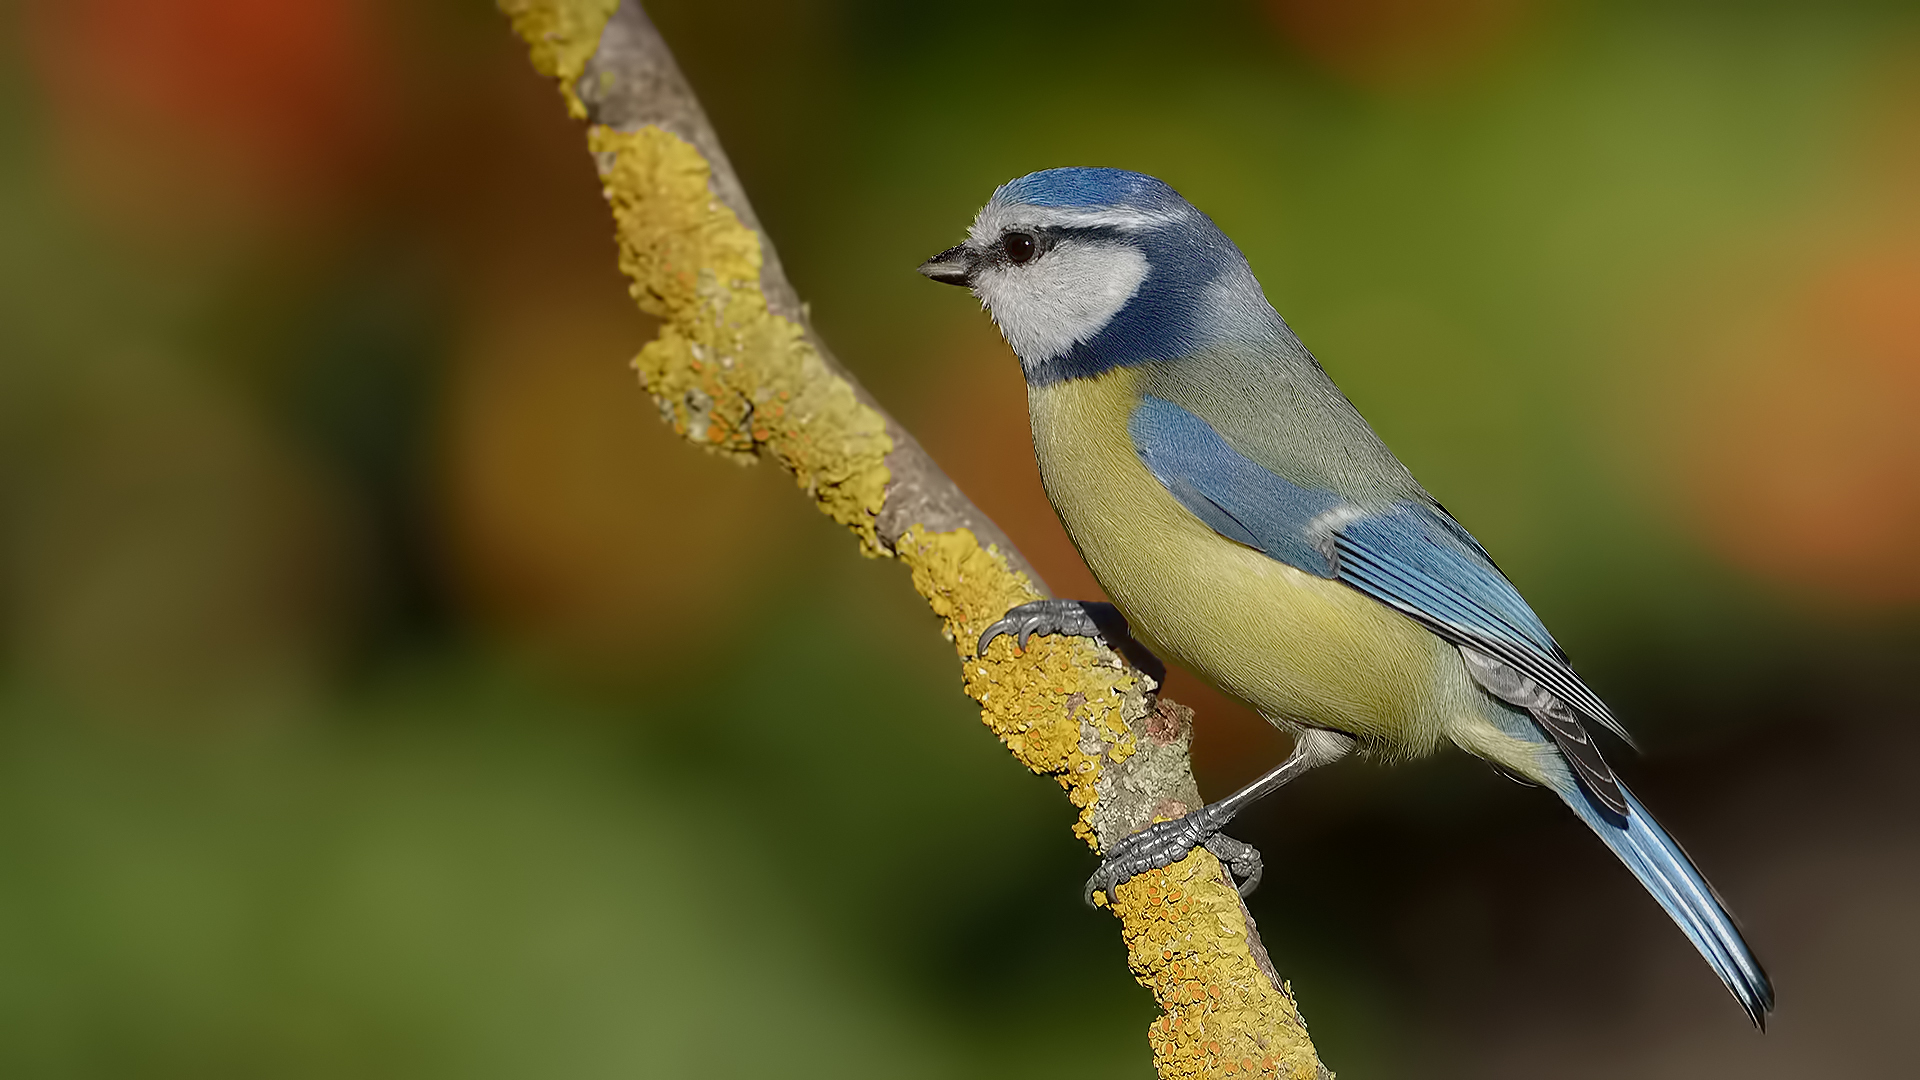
[1019,246]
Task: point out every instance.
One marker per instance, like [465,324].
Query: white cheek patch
[1061,298]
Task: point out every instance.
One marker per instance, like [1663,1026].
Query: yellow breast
[1297,647]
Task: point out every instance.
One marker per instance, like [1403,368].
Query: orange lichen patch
[1061,705]
[727,372]
[1222,1015]
[562,36]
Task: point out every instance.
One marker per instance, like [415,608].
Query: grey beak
[953,266]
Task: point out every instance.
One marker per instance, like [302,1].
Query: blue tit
[1249,525]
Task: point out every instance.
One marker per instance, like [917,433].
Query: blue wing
[1412,557]
[1237,497]
[1415,559]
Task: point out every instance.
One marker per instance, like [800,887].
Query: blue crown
[1081,186]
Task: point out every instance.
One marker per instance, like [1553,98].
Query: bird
[1247,523]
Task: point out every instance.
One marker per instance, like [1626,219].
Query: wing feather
[1411,556]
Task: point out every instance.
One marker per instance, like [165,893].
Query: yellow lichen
[728,373]
[1043,701]
[1221,1014]
[562,35]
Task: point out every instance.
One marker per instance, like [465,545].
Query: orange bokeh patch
[185,105]
[1801,458]
[1397,44]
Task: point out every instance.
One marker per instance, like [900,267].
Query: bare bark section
[739,369]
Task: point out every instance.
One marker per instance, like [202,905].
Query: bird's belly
[1297,647]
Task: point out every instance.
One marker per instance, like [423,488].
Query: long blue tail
[1671,877]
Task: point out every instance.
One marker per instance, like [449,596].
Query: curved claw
[1095,888]
[1241,859]
[1004,626]
[1047,617]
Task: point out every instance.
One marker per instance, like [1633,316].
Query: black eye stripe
[1044,238]
[1054,233]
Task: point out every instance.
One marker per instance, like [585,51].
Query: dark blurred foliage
[385,692]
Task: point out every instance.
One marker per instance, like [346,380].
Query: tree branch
[738,369]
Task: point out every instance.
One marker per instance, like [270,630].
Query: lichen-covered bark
[738,370]
[561,37]
[727,372]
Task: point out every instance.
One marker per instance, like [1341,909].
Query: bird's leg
[1166,842]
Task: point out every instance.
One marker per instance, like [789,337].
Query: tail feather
[1675,882]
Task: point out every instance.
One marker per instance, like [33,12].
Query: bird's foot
[1074,618]
[1166,842]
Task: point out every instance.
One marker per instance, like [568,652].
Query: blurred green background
[383,691]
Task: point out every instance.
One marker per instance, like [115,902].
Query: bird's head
[1089,269]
